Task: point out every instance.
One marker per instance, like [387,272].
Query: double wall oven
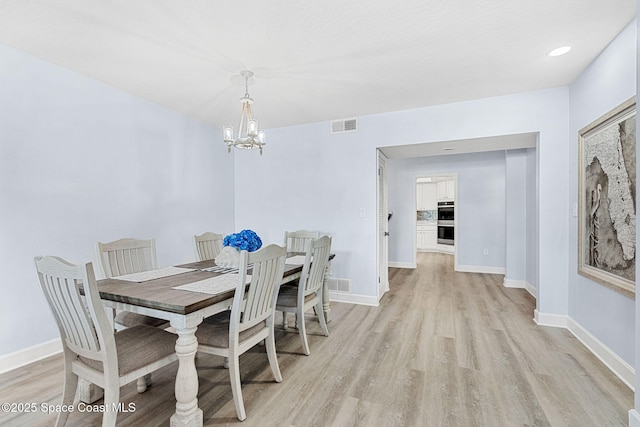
[446,217]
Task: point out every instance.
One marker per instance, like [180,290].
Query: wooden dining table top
[159,293]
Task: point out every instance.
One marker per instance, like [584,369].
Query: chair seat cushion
[137,347]
[288,297]
[214,331]
[129,319]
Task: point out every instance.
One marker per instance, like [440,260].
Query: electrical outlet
[485,252]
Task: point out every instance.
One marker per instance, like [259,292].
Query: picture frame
[606,199]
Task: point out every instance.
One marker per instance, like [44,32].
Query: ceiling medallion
[249,137]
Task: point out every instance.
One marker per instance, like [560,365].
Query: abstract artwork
[607,199]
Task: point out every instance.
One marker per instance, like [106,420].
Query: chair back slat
[266,276]
[79,330]
[82,322]
[126,256]
[208,245]
[296,241]
[320,252]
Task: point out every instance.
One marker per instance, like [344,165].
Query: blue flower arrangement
[246,240]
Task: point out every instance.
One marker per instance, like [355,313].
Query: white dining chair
[127,256]
[208,245]
[308,293]
[91,348]
[251,318]
[296,241]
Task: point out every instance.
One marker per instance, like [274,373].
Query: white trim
[512,283]
[634,418]
[353,298]
[396,264]
[479,269]
[619,367]
[520,284]
[549,319]
[381,288]
[531,289]
[32,354]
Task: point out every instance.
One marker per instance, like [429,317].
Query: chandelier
[249,137]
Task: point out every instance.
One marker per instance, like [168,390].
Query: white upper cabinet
[426,196]
[446,190]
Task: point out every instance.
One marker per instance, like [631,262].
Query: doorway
[435,213]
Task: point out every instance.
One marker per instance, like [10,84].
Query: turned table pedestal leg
[187,412]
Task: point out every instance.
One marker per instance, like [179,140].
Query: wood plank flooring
[443,349]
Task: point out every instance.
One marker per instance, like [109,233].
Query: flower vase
[229,257]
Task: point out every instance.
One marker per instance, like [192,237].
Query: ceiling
[315,61]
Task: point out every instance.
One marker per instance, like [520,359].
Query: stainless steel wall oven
[446,221]
[446,234]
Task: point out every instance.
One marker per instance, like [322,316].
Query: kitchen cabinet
[426,196]
[426,237]
[445,190]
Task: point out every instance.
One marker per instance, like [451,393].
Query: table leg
[187,412]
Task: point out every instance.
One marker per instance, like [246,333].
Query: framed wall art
[607,199]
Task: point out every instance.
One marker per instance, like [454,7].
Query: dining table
[154,293]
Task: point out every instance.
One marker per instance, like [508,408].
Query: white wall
[309,178]
[609,80]
[516,215]
[82,162]
[480,208]
[532,219]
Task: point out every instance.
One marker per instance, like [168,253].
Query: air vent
[339,285]
[347,125]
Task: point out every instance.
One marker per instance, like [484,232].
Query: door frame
[382,225]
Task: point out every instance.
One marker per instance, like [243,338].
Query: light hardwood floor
[443,349]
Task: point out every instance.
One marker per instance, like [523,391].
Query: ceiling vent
[346,125]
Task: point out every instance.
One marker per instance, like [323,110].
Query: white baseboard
[512,283]
[634,418]
[532,290]
[395,264]
[32,354]
[353,298]
[520,284]
[619,367]
[479,269]
[548,319]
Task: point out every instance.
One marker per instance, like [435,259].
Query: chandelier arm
[241,120]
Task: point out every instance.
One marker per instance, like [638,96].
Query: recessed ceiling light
[560,51]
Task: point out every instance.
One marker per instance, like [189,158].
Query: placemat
[214,285]
[143,276]
[295,260]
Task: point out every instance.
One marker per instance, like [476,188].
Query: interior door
[383,228]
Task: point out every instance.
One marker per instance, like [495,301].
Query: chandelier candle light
[252,137]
